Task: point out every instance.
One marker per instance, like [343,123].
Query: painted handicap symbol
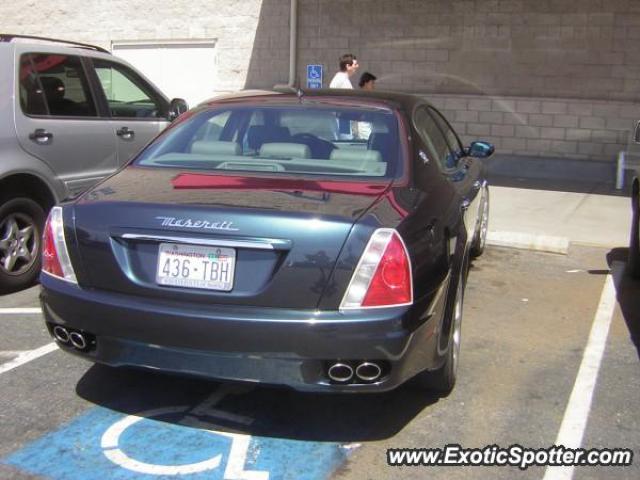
[314,73]
[110,443]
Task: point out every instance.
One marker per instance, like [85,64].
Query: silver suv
[70,114]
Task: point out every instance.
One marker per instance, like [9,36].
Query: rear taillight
[55,257]
[383,275]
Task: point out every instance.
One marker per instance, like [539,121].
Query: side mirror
[176,108]
[480,150]
[636,134]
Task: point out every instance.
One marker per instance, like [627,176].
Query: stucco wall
[232,23]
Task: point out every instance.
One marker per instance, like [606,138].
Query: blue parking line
[75,451]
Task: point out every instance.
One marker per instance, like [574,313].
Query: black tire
[442,380]
[21,224]
[633,260]
[480,236]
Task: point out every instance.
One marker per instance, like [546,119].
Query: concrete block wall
[568,128]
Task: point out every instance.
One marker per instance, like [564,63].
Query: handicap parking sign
[314,76]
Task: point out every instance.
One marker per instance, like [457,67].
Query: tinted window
[433,137]
[287,140]
[127,94]
[54,85]
[452,139]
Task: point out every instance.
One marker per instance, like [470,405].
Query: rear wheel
[480,238]
[443,379]
[633,260]
[21,223]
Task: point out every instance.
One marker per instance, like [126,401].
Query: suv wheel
[21,223]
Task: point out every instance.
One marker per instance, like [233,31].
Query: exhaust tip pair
[75,338]
[364,372]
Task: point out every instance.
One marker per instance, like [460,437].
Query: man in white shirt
[348,66]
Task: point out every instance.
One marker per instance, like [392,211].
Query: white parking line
[577,411]
[27,356]
[18,311]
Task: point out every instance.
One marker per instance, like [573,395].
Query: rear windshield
[283,140]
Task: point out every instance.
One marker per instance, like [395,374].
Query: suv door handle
[125,133]
[41,136]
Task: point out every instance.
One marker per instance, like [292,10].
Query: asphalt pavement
[532,372]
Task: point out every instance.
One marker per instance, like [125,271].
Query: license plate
[193,266]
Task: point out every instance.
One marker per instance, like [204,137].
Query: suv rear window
[360,142]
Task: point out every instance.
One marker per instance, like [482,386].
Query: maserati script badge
[203,224]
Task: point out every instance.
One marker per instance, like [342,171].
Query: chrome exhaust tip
[78,340]
[368,371]
[61,334]
[340,372]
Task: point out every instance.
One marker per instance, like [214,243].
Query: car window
[449,134]
[54,85]
[286,140]
[434,139]
[127,94]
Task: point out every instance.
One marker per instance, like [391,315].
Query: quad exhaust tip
[365,372]
[340,372]
[368,371]
[61,334]
[78,340]
[75,338]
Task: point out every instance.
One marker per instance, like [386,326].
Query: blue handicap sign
[314,76]
[157,444]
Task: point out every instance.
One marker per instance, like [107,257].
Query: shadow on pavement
[627,293]
[555,174]
[258,411]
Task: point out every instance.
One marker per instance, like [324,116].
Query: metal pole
[293,43]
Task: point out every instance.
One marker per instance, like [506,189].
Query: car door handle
[41,136]
[126,133]
[465,204]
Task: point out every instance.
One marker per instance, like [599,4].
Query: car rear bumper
[251,344]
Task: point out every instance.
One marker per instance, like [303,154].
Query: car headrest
[259,134]
[356,155]
[285,150]
[53,87]
[216,148]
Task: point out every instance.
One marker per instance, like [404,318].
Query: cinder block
[503,105]
[502,130]
[478,129]
[480,104]
[538,145]
[592,122]
[466,116]
[578,134]
[541,120]
[514,144]
[554,107]
[580,109]
[491,117]
[527,131]
[567,121]
[552,133]
[563,146]
[456,103]
[528,106]
[590,148]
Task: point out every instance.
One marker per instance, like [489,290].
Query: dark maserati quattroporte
[318,239]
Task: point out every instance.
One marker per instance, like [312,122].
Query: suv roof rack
[8,37]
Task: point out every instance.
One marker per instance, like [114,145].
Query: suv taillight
[55,257]
[383,275]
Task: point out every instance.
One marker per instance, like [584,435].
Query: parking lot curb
[527,241]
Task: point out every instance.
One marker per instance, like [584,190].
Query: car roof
[381,98]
